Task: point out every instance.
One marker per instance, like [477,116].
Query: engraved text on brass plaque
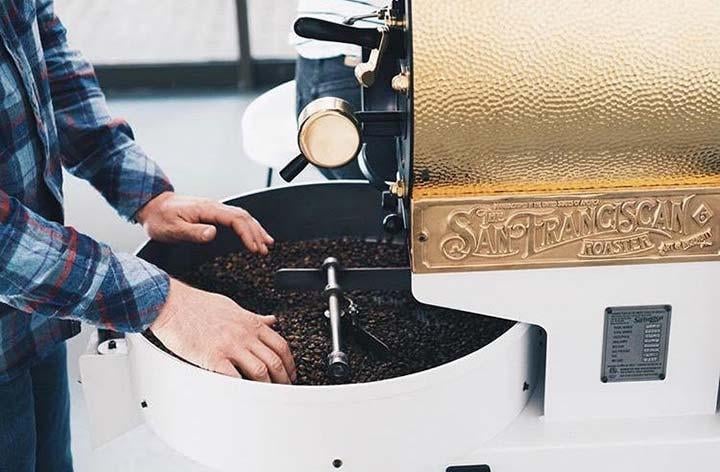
[547,231]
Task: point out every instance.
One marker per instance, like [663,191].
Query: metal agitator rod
[338,366]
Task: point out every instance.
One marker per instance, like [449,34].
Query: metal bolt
[401,83]
[398,189]
[392,21]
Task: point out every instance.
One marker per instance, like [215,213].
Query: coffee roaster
[557,164]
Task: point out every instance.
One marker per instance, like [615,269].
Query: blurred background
[182,72]
[183,43]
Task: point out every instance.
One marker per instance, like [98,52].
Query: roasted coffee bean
[420,337]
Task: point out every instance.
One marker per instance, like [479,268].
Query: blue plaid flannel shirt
[53,115]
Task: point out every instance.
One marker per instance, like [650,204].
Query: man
[53,114]
[326,69]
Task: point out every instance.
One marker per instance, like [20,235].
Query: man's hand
[173,218]
[213,332]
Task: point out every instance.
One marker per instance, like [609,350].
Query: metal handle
[294,168]
[373,177]
[313,28]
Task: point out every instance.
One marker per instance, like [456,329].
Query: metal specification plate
[635,345]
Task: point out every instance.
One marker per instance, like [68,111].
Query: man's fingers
[258,236]
[226,367]
[182,231]
[266,236]
[280,347]
[261,235]
[250,366]
[268,320]
[196,233]
[243,231]
[272,361]
[245,226]
[223,215]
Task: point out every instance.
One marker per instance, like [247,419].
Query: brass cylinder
[564,95]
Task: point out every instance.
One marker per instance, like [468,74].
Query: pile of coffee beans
[420,337]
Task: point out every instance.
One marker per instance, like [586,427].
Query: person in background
[53,115]
[326,69]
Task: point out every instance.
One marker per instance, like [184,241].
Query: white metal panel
[409,424]
[624,445]
[107,386]
[570,303]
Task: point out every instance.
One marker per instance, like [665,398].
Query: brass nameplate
[568,230]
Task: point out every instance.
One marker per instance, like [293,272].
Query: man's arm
[56,272]
[206,329]
[100,149]
[94,146]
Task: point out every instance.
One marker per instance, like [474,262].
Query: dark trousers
[35,418]
[318,78]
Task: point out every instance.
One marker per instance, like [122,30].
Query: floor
[197,141]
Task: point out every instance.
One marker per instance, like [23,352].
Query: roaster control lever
[338,366]
[366,72]
[374,39]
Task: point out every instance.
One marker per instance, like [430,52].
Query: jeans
[35,418]
[318,78]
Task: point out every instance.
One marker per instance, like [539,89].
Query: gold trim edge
[566,230]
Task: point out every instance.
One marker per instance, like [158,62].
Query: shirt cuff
[139,179]
[156,184]
[131,295]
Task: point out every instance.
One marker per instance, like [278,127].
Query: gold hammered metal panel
[569,105]
[515,96]
[674,225]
